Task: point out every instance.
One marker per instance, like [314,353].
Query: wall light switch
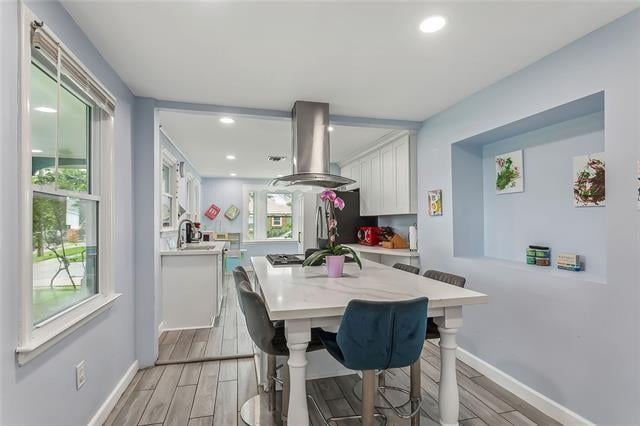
[81,375]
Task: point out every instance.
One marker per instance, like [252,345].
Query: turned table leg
[298,336]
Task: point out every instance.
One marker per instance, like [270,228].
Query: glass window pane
[167,209]
[251,227]
[165,178]
[279,215]
[72,149]
[74,142]
[65,253]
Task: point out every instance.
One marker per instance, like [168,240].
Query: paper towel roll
[413,238]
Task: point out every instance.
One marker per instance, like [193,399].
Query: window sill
[275,240]
[51,333]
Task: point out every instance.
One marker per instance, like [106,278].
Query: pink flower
[339,203]
[333,223]
[328,194]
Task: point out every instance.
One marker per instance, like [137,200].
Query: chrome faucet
[180,240]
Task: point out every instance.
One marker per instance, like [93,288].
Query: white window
[66,144]
[268,215]
[169,205]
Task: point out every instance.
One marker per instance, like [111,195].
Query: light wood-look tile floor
[228,336]
[212,393]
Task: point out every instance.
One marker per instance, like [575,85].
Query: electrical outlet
[81,375]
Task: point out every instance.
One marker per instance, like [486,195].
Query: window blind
[51,48]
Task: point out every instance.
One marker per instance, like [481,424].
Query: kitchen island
[192,280]
[306,298]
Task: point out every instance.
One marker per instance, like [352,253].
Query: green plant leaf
[320,254]
[352,252]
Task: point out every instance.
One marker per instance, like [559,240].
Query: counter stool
[457,280]
[407,268]
[378,336]
[269,338]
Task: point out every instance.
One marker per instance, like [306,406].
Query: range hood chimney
[310,148]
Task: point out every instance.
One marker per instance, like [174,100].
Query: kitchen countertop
[383,251]
[208,248]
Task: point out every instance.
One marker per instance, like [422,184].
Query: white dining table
[306,298]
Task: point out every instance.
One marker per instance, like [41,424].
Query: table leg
[298,336]
[448,398]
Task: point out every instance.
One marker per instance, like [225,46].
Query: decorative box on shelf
[569,262]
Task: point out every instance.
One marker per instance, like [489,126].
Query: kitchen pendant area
[220,207]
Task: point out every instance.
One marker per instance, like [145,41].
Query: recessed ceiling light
[231,157]
[432,24]
[330,128]
[48,110]
[36,151]
[232,174]
[227,120]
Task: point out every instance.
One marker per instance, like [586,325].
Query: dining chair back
[240,275]
[260,327]
[445,277]
[407,268]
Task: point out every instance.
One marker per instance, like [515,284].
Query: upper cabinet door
[370,184]
[402,165]
[389,181]
[355,175]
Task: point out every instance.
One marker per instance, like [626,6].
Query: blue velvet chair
[378,336]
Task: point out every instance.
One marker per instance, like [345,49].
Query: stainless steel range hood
[310,149]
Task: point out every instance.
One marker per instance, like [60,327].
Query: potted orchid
[334,254]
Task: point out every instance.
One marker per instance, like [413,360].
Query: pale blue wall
[43,392]
[165,143]
[400,223]
[574,341]
[226,191]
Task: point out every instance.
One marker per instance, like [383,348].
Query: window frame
[167,159]
[260,215]
[32,340]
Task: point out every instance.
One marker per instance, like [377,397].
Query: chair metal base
[255,412]
[327,422]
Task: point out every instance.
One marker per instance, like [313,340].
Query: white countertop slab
[208,249]
[293,292]
[384,251]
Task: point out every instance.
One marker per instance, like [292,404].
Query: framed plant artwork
[232,212]
[509,173]
[435,202]
[589,180]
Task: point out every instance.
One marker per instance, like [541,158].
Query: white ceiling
[206,142]
[364,58]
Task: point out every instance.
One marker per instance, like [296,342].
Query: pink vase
[335,266]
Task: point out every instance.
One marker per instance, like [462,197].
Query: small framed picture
[435,202]
[232,212]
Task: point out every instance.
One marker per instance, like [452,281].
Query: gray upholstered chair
[270,338]
[457,280]
[407,268]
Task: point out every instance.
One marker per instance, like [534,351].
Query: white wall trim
[103,412]
[548,406]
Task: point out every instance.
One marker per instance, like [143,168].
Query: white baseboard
[103,412]
[548,406]
[160,328]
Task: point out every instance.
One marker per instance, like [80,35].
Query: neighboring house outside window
[267,215]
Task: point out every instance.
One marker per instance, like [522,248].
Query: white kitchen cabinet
[388,180]
[370,184]
[387,177]
[352,171]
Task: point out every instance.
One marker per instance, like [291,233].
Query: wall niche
[498,227]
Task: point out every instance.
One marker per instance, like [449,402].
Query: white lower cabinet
[387,177]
